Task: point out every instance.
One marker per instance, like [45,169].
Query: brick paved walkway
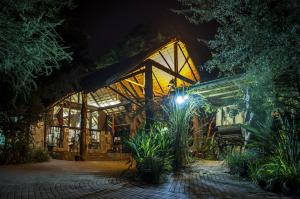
[62,179]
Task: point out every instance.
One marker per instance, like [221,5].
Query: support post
[176,62]
[83,125]
[45,130]
[148,96]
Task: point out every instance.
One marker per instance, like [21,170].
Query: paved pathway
[65,179]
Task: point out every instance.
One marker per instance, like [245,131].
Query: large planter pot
[150,176]
[50,148]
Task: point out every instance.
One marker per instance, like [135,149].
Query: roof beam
[118,92]
[135,83]
[94,99]
[112,106]
[74,105]
[133,88]
[165,60]
[158,83]
[125,87]
[188,63]
[185,61]
[163,68]
[142,90]
[131,75]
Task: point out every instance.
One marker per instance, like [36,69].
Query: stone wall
[38,134]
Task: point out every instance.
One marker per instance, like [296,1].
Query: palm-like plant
[179,117]
[152,152]
[280,167]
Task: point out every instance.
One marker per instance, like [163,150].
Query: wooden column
[148,96]
[176,61]
[45,130]
[83,125]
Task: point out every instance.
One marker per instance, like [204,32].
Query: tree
[260,39]
[30,48]
[30,45]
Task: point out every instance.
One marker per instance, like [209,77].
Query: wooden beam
[135,83]
[74,105]
[163,68]
[185,61]
[113,106]
[125,87]
[94,99]
[118,92]
[188,63]
[158,83]
[165,60]
[142,90]
[176,61]
[131,75]
[133,88]
[148,96]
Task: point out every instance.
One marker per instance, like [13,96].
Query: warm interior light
[110,103]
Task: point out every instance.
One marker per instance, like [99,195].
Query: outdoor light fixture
[181,99]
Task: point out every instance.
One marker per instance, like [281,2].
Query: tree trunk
[196,133]
[148,96]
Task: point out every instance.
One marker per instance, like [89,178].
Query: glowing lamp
[181,99]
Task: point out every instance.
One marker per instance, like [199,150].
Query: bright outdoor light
[181,99]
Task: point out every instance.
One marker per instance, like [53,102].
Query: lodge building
[115,105]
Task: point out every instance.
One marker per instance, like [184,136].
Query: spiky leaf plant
[179,117]
[152,152]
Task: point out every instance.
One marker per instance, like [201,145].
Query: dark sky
[105,23]
[96,26]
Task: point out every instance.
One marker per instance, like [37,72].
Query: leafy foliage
[240,163]
[280,148]
[39,155]
[260,39]
[152,152]
[179,117]
[275,163]
[209,148]
[30,45]
[277,174]
[138,41]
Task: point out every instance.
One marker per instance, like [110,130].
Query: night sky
[103,24]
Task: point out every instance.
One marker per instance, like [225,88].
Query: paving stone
[89,180]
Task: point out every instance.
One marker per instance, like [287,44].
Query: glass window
[94,139]
[66,116]
[93,120]
[75,118]
[55,137]
[73,140]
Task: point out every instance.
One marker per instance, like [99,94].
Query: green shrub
[39,155]
[279,166]
[240,163]
[209,148]
[179,117]
[152,152]
[151,168]
[277,175]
